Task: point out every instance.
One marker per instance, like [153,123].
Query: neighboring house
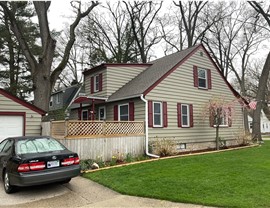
[17,117]
[265,124]
[168,93]
[60,102]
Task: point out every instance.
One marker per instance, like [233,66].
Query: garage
[11,125]
[18,117]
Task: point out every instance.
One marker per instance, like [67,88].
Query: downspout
[146,128]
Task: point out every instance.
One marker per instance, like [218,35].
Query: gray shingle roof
[150,76]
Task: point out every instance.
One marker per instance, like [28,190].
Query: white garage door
[10,126]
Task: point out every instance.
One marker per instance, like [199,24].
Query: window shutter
[211,117]
[179,115]
[195,76]
[100,81]
[92,85]
[165,114]
[191,115]
[115,113]
[230,117]
[209,79]
[131,111]
[150,113]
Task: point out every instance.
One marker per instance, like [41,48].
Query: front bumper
[44,176]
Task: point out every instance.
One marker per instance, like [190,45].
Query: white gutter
[146,128]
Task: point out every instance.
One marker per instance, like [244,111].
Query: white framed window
[96,83]
[51,101]
[102,113]
[84,115]
[224,119]
[185,115]
[123,112]
[157,114]
[202,78]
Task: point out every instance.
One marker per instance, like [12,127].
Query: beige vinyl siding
[178,87]
[119,76]
[113,79]
[33,119]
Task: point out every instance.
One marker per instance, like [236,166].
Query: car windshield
[38,145]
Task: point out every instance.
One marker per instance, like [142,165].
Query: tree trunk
[42,87]
[256,130]
[217,137]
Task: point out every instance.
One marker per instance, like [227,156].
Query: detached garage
[17,117]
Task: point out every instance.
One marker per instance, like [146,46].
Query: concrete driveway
[80,192]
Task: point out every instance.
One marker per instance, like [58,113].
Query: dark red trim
[23,114]
[195,76]
[22,102]
[179,121]
[104,66]
[191,115]
[131,111]
[92,85]
[115,113]
[165,114]
[100,82]
[150,113]
[209,79]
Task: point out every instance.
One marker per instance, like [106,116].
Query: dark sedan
[28,161]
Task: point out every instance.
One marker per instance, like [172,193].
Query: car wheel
[66,181]
[8,188]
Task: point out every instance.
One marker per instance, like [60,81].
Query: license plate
[52,164]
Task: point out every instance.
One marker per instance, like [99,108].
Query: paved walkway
[80,192]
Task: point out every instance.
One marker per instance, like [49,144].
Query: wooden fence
[105,148]
[74,128]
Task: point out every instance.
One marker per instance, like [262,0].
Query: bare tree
[260,97]
[43,76]
[142,15]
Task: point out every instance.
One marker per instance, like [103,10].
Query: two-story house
[168,94]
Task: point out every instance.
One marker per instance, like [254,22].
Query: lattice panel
[84,128]
[125,128]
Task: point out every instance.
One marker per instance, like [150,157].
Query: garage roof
[22,102]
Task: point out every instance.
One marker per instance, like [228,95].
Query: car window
[2,144]
[8,146]
[38,145]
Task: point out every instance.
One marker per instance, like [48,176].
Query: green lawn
[237,178]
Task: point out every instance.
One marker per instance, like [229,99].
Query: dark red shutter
[165,114]
[115,113]
[131,111]
[195,76]
[209,79]
[100,82]
[211,117]
[92,85]
[191,115]
[179,115]
[230,117]
[150,113]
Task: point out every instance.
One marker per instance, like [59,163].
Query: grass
[237,178]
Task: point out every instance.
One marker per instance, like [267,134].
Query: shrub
[164,147]
[244,138]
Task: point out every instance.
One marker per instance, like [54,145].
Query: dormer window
[96,83]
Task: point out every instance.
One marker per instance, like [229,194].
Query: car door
[5,152]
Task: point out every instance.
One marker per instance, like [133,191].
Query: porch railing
[74,128]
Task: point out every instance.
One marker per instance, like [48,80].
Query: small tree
[220,112]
